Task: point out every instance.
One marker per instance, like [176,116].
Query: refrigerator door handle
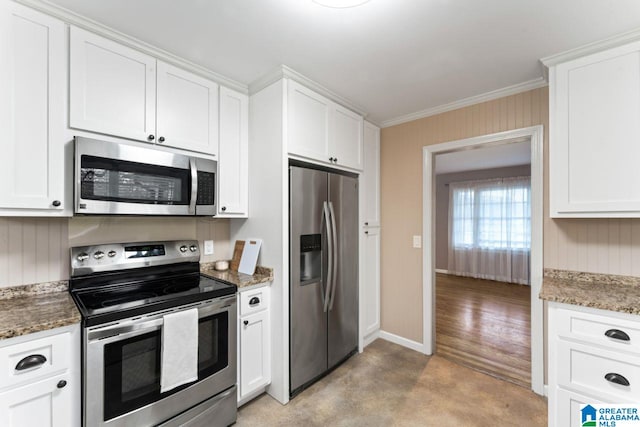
[334,272]
[327,290]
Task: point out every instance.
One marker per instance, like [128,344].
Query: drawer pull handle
[246,322]
[254,301]
[31,361]
[617,379]
[617,334]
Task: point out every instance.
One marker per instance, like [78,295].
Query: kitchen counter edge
[262,276]
[34,308]
[601,291]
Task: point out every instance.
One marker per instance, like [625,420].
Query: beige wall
[36,250]
[401,193]
[609,246]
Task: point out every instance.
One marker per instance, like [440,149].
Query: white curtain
[490,229]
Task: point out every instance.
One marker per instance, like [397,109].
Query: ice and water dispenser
[310,258]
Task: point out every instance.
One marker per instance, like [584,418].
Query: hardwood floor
[485,325]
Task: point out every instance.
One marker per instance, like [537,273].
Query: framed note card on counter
[249,256]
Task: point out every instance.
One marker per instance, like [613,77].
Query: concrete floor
[389,385]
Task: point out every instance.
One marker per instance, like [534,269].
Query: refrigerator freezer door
[343,316]
[308,322]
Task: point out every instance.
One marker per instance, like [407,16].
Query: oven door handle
[125,331]
[194,186]
[226,304]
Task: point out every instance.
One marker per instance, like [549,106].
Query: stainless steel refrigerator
[323,293]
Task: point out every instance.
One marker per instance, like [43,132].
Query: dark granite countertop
[35,308]
[262,275]
[603,291]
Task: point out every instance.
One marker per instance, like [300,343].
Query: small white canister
[221,265]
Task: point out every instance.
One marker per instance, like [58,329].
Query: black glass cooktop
[108,302]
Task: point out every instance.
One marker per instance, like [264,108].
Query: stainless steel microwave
[122,179]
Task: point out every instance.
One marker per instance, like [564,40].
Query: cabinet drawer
[254,300]
[593,329]
[54,349]
[583,368]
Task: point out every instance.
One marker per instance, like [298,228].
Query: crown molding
[476,99]
[284,72]
[73,18]
[588,49]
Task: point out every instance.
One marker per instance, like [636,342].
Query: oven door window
[131,182]
[132,366]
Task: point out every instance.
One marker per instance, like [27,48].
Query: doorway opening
[452,287]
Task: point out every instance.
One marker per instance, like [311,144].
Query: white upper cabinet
[370,177]
[347,138]
[233,164]
[120,91]
[112,88]
[32,94]
[308,123]
[595,134]
[321,130]
[187,110]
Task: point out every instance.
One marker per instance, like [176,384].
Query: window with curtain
[490,229]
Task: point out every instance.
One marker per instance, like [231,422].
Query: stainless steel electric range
[124,291]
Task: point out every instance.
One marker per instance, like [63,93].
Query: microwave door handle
[194,186]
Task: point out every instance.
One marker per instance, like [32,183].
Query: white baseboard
[440,270]
[368,339]
[396,339]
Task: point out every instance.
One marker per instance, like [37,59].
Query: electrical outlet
[417,242]
[208,247]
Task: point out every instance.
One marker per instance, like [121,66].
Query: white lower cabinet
[42,403]
[371,277]
[570,401]
[254,344]
[593,359]
[41,379]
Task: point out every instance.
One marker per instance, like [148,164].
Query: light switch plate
[417,242]
[208,247]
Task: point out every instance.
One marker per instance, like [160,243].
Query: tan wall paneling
[610,246]
[218,231]
[401,188]
[33,250]
[36,250]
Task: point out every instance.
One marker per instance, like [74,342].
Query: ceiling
[389,57]
[497,156]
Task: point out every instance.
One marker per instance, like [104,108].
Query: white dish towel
[179,360]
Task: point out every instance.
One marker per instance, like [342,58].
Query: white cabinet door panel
[38,404]
[187,110]
[308,118]
[347,138]
[112,87]
[595,134]
[32,86]
[372,280]
[255,352]
[371,176]
[233,164]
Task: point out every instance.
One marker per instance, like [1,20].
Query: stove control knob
[82,256]
[98,255]
[193,248]
[111,254]
[183,248]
